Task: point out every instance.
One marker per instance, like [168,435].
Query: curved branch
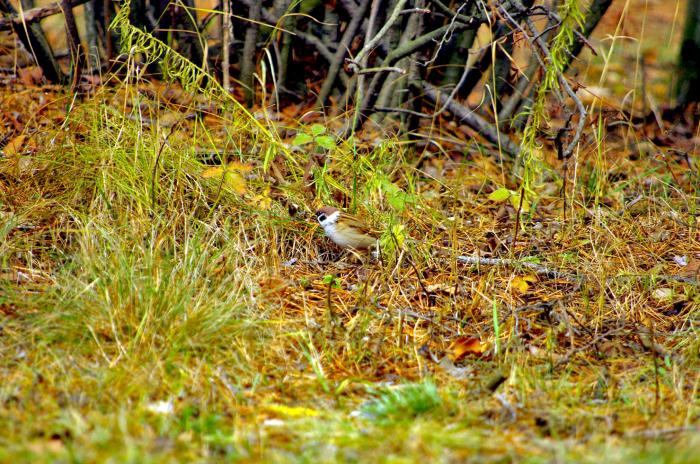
[339,56]
[382,32]
[488,131]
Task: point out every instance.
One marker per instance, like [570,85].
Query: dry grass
[149,312]
[192,322]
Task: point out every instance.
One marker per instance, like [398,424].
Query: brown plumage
[346,230]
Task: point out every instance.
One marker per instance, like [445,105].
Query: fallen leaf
[521,284]
[663,294]
[14,146]
[292,411]
[442,288]
[233,175]
[691,268]
[462,346]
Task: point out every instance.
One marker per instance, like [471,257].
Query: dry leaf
[292,411]
[664,294]
[233,175]
[462,346]
[692,268]
[442,288]
[14,146]
[521,284]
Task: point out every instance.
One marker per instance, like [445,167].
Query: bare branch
[375,40]
[488,131]
[34,15]
[337,62]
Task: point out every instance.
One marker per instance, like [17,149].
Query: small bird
[345,230]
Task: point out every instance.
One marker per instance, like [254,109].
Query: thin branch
[369,46]
[382,69]
[394,56]
[337,62]
[539,269]
[384,109]
[487,130]
[34,15]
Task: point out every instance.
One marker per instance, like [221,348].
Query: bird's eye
[321,217]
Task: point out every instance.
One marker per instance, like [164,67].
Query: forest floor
[156,307]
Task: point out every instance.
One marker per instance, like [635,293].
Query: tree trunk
[35,42]
[249,53]
[689,59]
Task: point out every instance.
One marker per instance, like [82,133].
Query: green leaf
[398,202]
[269,156]
[317,130]
[515,201]
[302,139]
[396,197]
[326,141]
[501,194]
[399,234]
[331,281]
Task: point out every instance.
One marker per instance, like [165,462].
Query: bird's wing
[360,225]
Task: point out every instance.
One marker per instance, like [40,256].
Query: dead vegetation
[166,295]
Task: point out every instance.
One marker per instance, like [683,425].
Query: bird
[346,230]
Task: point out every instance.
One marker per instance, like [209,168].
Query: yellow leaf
[515,202]
[500,194]
[236,182]
[261,202]
[462,346]
[239,167]
[522,284]
[14,146]
[233,175]
[292,411]
[216,171]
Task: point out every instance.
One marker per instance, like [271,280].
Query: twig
[384,109]
[34,15]
[382,69]
[460,17]
[392,58]
[415,10]
[445,38]
[343,47]
[474,121]
[539,269]
[375,40]
[656,433]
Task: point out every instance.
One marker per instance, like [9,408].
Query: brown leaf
[14,146]
[462,346]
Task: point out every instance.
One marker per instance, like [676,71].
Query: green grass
[150,314]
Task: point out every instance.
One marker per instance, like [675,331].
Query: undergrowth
[166,295]
[150,311]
